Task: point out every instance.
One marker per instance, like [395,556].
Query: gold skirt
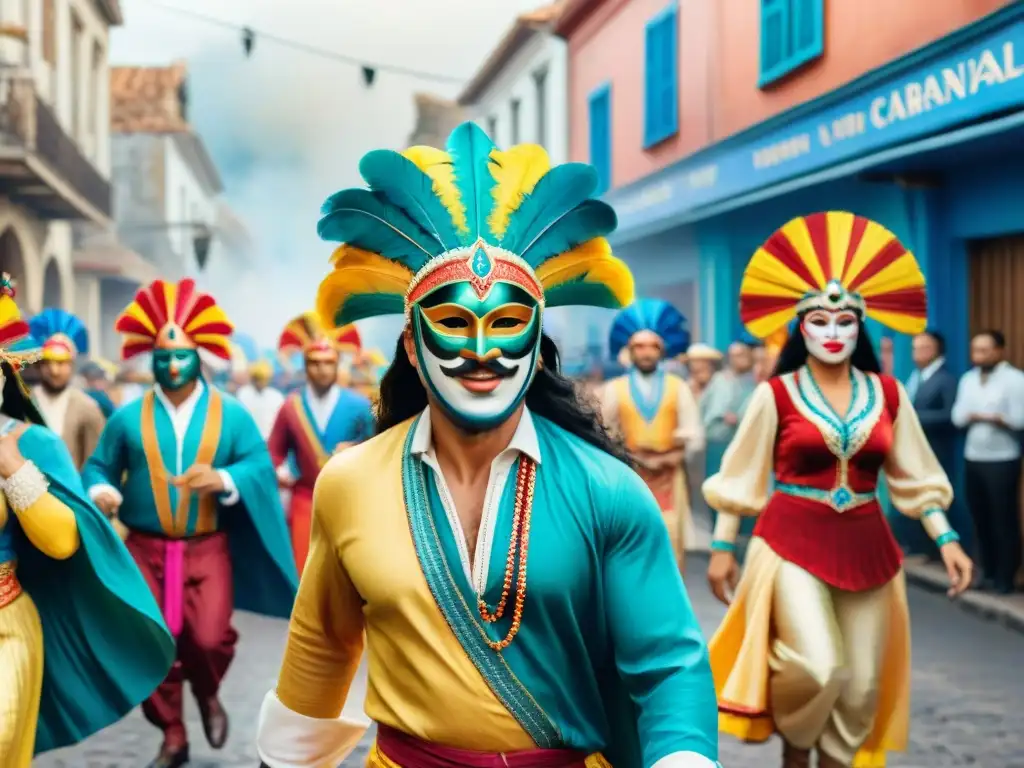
[21,681]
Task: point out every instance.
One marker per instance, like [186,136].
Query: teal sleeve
[659,648]
[108,462]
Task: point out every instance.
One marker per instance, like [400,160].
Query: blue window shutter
[661,77]
[792,34]
[651,45]
[670,76]
[600,114]
[808,29]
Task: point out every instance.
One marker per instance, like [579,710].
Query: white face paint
[830,337]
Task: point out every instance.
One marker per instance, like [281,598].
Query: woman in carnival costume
[654,411]
[816,642]
[81,638]
[566,638]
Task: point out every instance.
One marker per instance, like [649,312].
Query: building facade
[905,113]
[519,94]
[54,139]
[435,119]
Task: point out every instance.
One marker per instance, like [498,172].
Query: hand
[958,566]
[11,459]
[200,478]
[731,419]
[284,477]
[342,446]
[107,502]
[723,575]
[119,528]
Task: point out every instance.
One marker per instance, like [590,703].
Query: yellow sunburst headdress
[832,261]
[174,314]
[307,334]
[468,213]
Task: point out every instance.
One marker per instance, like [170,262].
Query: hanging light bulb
[369,73]
[248,41]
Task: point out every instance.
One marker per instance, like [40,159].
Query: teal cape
[105,644]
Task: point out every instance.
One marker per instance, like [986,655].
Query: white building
[54,139]
[520,95]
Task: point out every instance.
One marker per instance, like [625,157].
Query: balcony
[41,167]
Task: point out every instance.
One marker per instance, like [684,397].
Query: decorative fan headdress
[653,315]
[473,212]
[307,334]
[176,312]
[61,335]
[833,261]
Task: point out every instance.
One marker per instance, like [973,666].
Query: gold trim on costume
[312,435]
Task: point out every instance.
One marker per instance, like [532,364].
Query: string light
[249,36]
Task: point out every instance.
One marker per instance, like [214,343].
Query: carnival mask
[477,356]
[830,336]
[175,368]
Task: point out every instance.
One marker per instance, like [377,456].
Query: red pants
[300,513]
[206,645]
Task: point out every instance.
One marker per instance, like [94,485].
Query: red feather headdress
[307,334]
[162,306]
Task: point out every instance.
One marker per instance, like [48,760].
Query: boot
[215,721]
[171,756]
[792,757]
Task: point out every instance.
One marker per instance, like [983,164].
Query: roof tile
[148,99]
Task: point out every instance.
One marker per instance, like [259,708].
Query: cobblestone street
[968,705]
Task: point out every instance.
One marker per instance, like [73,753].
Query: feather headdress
[14,331]
[469,213]
[833,261]
[307,334]
[653,315]
[164,312]
[61,335]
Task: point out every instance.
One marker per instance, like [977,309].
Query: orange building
[712,122]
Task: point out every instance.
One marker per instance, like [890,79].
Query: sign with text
[980,78]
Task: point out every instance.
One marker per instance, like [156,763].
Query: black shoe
[215,722]
[171,758]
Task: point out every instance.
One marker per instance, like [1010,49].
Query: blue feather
[404,185]
[380,206]
[470,149]
[52,321]
[559,191]
[650,315]
[589,219]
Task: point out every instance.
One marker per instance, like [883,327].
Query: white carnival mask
[830,336]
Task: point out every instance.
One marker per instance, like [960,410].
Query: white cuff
[686,760]
[286,739]
[229,496]
[100,488]
[25,487]
[727,528]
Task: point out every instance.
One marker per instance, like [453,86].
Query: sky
[287,128]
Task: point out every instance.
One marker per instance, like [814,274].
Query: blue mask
[175,368]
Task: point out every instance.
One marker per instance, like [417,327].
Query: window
[540,82]
[492,128]
[792,34]
[513,110]
[661,77]
[600,108]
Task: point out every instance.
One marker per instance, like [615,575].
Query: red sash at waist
[10,587]
[852,550]
[410,752]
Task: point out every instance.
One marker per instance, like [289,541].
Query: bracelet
[25,487]
[947,538]
[717,545]
[932,511]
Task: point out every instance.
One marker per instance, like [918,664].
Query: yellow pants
[21,681]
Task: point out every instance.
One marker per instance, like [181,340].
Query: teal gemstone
[171,334]
[841,497]
[481,263]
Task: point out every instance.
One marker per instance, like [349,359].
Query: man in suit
[932,390]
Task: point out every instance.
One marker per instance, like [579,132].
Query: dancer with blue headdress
[68,411]
[508,573]
[654,411]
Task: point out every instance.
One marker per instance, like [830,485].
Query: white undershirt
[322,408]
[54,407]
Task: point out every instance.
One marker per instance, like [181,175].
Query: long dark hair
[18,403]
[551,396]
[794,352]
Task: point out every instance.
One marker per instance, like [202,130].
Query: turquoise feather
[589,219]
[52,321]
[360,306]
[402,182]
[559,191]
[470,149]
[377,205]
[578,292]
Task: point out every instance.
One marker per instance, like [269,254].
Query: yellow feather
[358,272]
[516,172]
[437,164]
[594,262]
[9,311]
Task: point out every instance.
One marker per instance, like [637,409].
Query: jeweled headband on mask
[832,261]
[60,334]
[470,244]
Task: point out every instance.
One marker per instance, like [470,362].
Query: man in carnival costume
[815,644]
[263,400]
[65,580]
[68,411]
[317,422]
[187,470]
[486,465]
[655,411]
